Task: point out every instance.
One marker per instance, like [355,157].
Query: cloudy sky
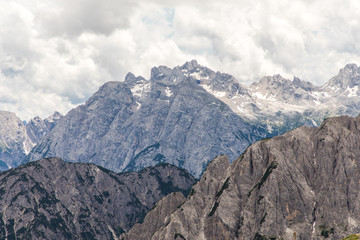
[55,53]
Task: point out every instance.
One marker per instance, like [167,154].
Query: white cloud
[55,54]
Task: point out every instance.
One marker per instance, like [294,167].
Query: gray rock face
[301,185]
[138,123]
[156,218]
[283,90]
[18,138]
[346,83]
[53,199]
[280,104]
[14,143]
[37,128]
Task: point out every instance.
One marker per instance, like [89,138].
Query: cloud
[73,18]
[55,54]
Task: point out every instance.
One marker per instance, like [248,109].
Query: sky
[54,54]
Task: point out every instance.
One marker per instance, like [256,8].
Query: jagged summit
[345,84]
[132,80]
[351,68]
[170,118]
[191,65]
[179,113]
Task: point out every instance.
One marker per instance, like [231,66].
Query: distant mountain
[37,128]
[282,105]
[18,138]
[137,123]
[53,199]
[345,84]
[189,114]
[301,185]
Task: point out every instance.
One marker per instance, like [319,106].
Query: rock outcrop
[53,199]
[156,218]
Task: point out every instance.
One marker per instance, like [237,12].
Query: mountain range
[262,184]
[126,126]
[190,114]
[303,184]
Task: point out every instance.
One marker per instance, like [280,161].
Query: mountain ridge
[138,123]
[54,199]
[302,185]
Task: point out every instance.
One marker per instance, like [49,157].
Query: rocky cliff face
[18,138]
[14,143]
[156,218]
[37,128]
[53,199]
[138,123]
[301,185]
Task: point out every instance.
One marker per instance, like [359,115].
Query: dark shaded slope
[53,199]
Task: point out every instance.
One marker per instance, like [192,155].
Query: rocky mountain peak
[348,76]
[271,84]
[52,120]
[132,80]
[191,66]
[277,88]
[346,83]
[350,68]
[307,86]
[158,73]
[14,140]
[129,127]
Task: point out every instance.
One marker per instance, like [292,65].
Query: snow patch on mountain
[352,92]
[168,92]
[139,89]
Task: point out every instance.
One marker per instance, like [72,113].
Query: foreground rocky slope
[138,123]
[53,199]
[301,185]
